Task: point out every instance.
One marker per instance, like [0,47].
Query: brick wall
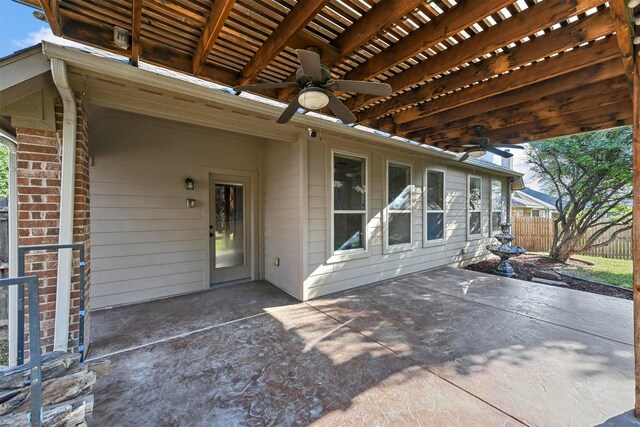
[39,178]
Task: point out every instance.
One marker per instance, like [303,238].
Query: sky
[19,29]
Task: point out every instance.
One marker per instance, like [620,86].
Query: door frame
[252,226]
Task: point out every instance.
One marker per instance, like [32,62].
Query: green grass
[606,270]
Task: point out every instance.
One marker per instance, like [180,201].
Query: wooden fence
[536,235]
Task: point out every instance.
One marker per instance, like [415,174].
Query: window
[434,206]
[497,205]
[475,205]
[349,203]
[535,213]
[398,209]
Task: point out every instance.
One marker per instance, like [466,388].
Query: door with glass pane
[229,228]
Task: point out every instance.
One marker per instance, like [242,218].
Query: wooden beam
[52,12]
[136,23]
[554,117]
[460,17]
[590,28]
[297,18]
[601,94]
[582,78]
[636,225]
[568,62]
[584,121]
[100,35]
[537,18]
[622,19]
[589,124]
[210,32]
[379,17]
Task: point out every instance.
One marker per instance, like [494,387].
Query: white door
[230,228]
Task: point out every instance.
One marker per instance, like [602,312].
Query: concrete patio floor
[439,347]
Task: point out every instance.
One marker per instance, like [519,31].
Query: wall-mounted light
[191,203]
[191,185]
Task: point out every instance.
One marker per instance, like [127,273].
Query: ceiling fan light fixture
[477,153]
[313,98]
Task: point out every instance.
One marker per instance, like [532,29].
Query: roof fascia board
[93,63]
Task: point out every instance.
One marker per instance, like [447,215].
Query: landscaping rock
[547,274]
[530,264]
[548,282]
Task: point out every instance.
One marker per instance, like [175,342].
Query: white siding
[145,242]
[282,234]
[326,276]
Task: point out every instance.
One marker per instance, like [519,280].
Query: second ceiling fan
[316,88]
[480,145]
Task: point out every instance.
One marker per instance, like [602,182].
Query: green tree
[591,175]
[4,171]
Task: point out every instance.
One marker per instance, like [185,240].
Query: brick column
[39,172]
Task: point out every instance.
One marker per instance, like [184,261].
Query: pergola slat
[603,93]
[297,18]
[461,16]
[569,62]
[526,23]
[534,116]
[215,22]
[590,28]
[582,78]
[136,23]
[51,11]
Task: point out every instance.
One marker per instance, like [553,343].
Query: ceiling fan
[316,88]
[479,145]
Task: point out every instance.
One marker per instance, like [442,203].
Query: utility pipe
[67,194]
[10,143]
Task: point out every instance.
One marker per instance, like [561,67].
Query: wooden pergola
[525,70]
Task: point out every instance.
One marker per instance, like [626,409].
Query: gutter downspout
[11,144]
[67,195]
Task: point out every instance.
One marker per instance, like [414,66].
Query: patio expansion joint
[526,315]
[183,335]
[420,365]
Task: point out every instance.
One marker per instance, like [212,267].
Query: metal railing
[22,250]
[35,372]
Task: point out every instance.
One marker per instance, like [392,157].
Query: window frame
[492,207]
[344,255]
[479,235]
[436,242]
[385,211]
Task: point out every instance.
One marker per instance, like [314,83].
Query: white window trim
[469,211]
[492,208]
[425,210]
[334,256]
[385,212]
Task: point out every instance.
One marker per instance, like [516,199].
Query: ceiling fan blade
[340,110]
[310,63]
[262,86]
[289,111]
[500,153]
[367,88]
[519,147]
[464,157]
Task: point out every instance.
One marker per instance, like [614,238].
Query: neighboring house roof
[522,199]
[541,196]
